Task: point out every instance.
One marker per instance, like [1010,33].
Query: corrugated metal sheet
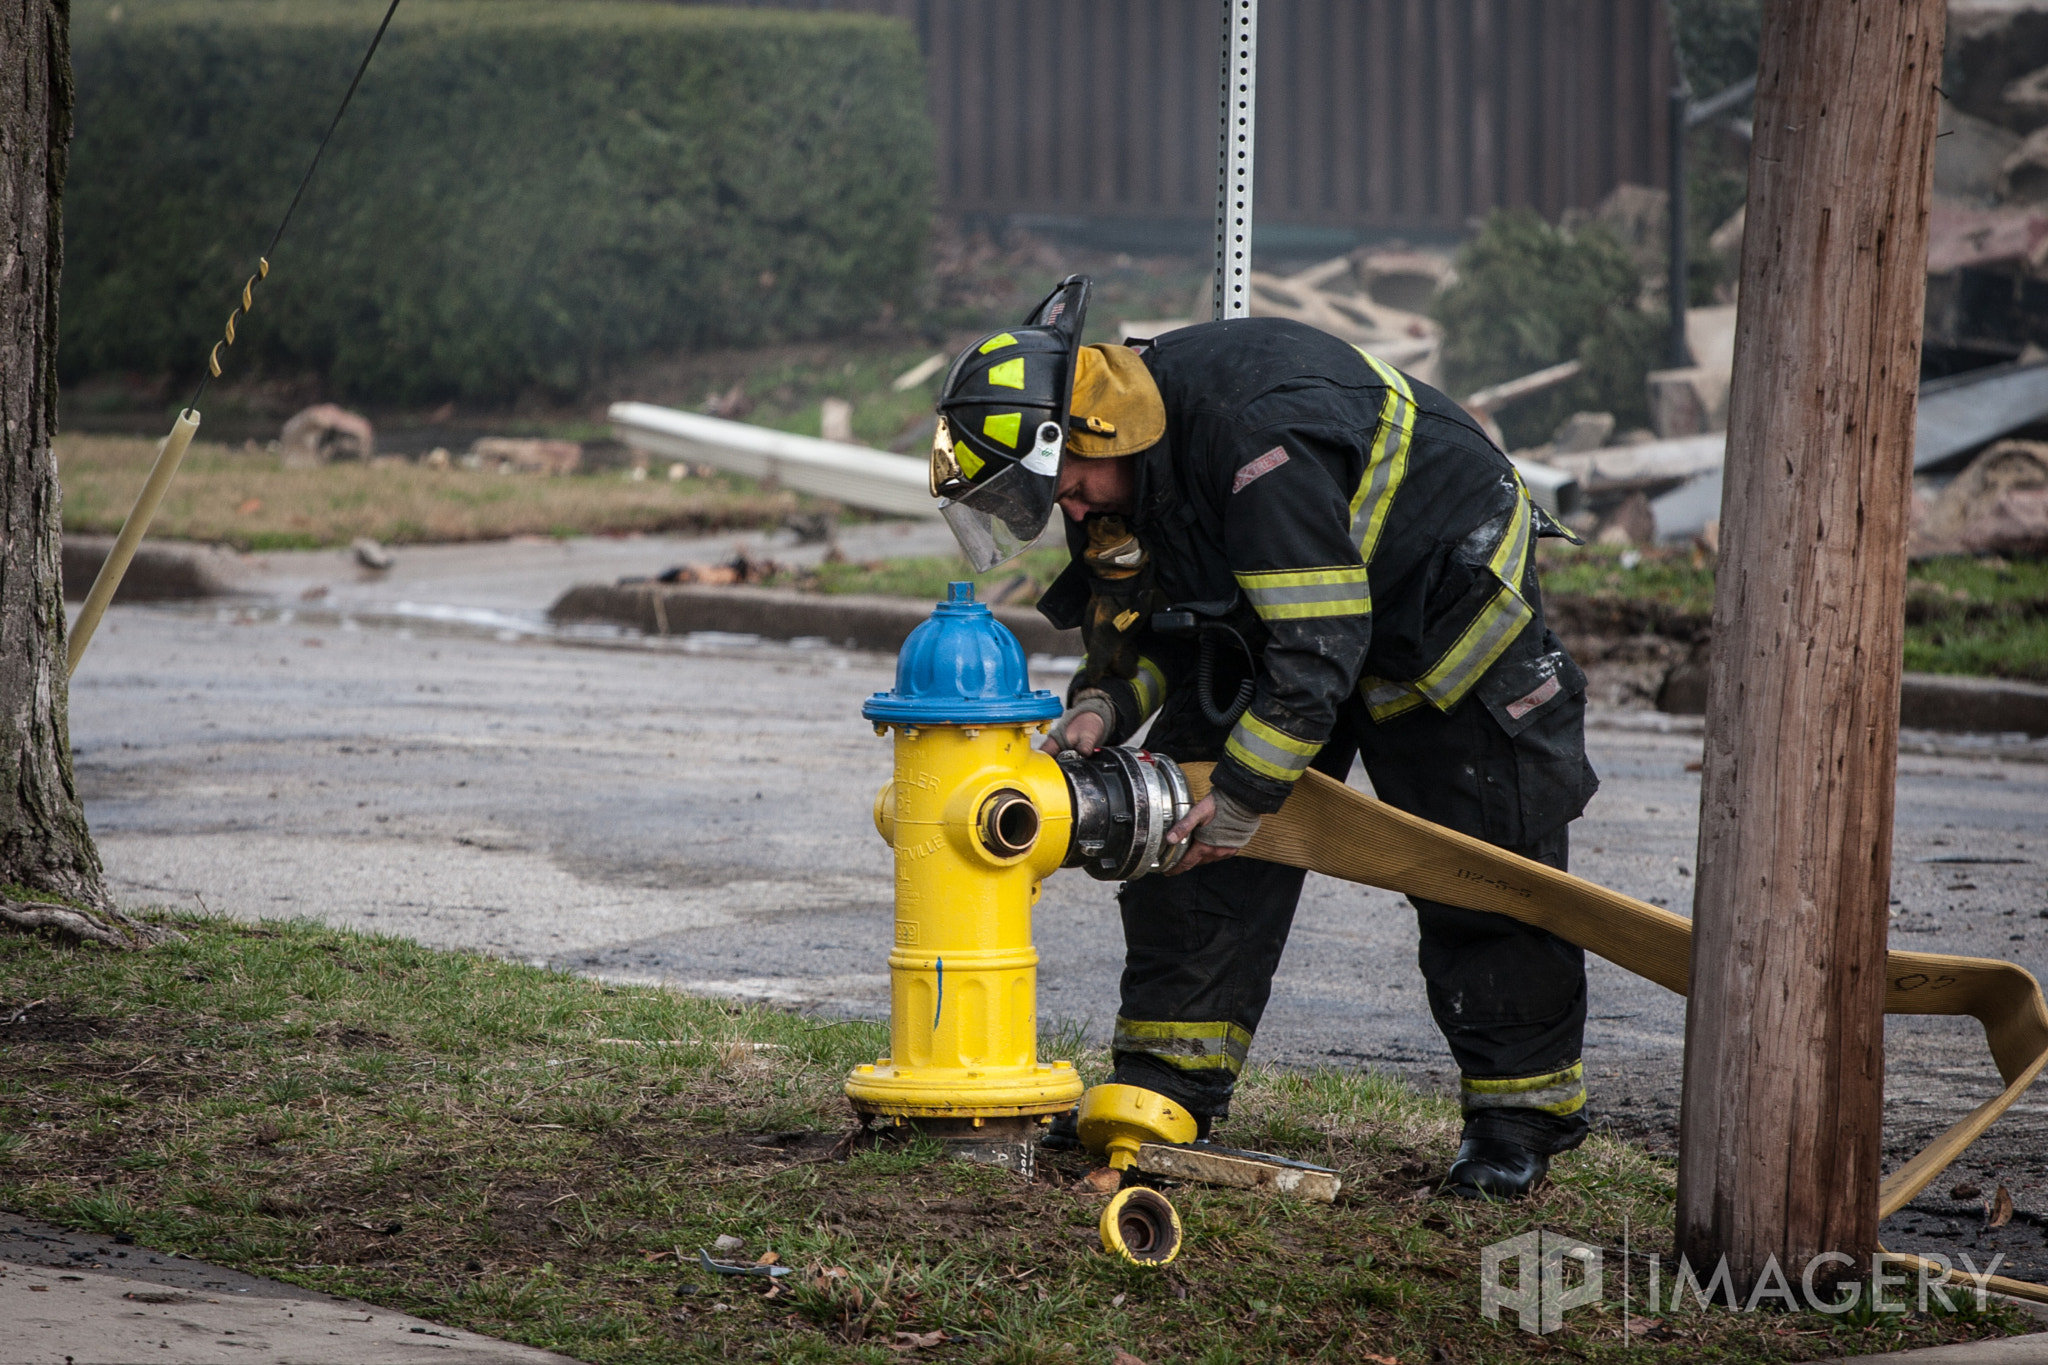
[1393,115]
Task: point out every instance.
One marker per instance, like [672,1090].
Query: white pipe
[854,475]
[170,452]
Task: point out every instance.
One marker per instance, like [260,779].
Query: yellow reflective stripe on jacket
[1150,685]
[1511,557]
[1503,618]
[1267,751]
[1384,700]
[1554,1092]
[1387,461]
[1297,594]
[1209,1045]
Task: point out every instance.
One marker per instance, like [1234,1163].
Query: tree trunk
[49,870]
[1784,1056]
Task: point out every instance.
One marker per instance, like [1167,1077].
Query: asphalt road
[695,812]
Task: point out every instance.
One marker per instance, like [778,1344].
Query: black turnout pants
[1201,948]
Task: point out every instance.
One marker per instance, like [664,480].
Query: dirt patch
[39,1021]
[344,1037]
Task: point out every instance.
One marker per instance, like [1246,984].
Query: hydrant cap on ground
[962,667]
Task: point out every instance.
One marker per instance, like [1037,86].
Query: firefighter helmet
[1002,427]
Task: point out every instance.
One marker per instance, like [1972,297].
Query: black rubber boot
[1493,1167]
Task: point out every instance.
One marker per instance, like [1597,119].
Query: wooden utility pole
[1784,1039]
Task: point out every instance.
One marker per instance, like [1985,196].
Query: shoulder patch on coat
[1264,465]
[1522,706]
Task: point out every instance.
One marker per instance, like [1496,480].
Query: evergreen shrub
[1528,295]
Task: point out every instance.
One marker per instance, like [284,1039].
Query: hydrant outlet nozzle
[1009,823]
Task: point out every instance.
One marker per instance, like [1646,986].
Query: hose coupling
[1124,802]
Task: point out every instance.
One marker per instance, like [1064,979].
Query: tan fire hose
[1327,827]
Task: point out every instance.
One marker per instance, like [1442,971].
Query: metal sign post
[1234,145]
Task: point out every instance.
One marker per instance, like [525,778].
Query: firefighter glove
[1232,826]
[1089,703]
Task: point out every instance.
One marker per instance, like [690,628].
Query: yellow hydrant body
[978,818]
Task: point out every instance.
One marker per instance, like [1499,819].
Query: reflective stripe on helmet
[1003,426]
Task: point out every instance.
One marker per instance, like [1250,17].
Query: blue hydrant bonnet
[962,667]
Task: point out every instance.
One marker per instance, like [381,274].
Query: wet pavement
[695,811]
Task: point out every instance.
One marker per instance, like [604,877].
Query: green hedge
[521,196]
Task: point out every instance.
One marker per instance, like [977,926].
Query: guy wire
[263,261]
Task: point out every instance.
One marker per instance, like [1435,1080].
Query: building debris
[1648,467]
[765,1269]
[1630,523]
[1241,1170]
[1219,1165]
[1581,432]
[732,405]
[1487,401]
[1693,399]
[1961,237]
[1315,296]
[918,373]
[1400,278]
[1373,297]
[732,573]
[835,421]
[372,555]
[325,433]
[525,455]
[1550,488]
[1999,505]
[1688,401]
[1964,412]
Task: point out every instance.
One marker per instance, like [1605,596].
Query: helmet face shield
[998,519]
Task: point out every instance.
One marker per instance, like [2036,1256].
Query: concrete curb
[159,572]
[1937,701]
[1927,701]
[855,621]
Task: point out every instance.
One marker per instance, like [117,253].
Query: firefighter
[1288,554]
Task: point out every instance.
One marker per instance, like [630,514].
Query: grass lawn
[1018,582]
[538,1156]
[246,499]
[1985,617]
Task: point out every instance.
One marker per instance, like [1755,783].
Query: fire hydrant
[978,817]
